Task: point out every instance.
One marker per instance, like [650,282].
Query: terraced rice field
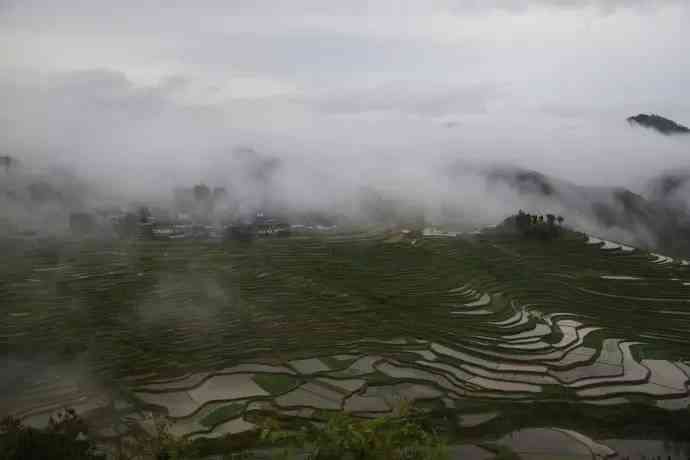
[211,333]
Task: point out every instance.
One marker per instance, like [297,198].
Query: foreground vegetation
[393,437]
[64,438]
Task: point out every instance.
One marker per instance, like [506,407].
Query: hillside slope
[614,212]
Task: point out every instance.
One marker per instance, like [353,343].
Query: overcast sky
[542,83]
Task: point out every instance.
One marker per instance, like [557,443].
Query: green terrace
[215,335]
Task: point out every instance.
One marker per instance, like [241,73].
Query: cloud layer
[138,98]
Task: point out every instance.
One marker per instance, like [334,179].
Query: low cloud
[426,100]
[346,96]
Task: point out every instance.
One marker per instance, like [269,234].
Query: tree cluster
[7,161]
[65,437]
[401,436]
[538,226]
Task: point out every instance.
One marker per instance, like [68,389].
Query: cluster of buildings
[144,225]
[260,226]
[199,212]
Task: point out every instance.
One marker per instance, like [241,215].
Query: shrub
[393,437]
[65,437]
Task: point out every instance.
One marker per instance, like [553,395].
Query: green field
[307,324]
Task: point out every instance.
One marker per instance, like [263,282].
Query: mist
[392,105]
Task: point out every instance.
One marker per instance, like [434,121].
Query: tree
[391,437]
[522,221]
[155,442]
[560,220]
[7,161]
[219,193]
[202,192]
[65,437]
[144,214]
[534,226]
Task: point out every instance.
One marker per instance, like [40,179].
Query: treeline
[544,227]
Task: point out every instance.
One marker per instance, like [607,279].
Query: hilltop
[654,220]
[659,123]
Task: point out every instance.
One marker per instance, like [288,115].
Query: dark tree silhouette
[202,192]
[523,221]
[144,214]
[7,161]
[65,437]
[534,226]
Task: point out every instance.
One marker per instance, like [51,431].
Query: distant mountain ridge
[656,218]
[659,123]
[670,186]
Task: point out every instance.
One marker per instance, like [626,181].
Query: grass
[222,414]
[276,384]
